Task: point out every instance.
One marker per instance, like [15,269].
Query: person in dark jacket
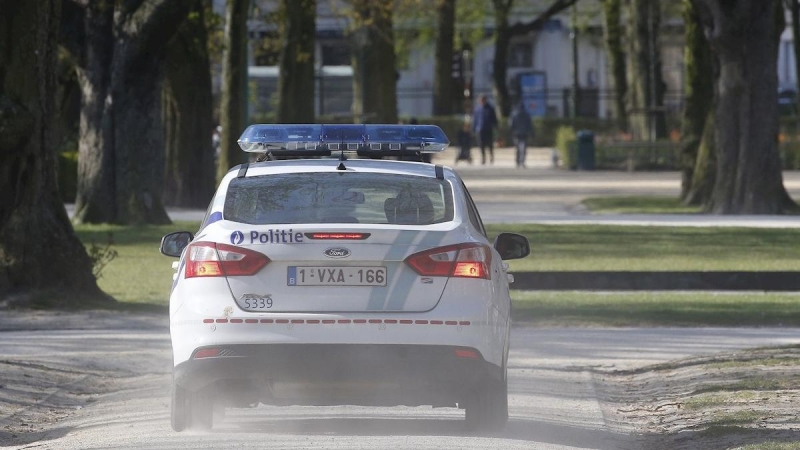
[521,130]
[483,123]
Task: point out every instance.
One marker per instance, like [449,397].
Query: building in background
[546,54]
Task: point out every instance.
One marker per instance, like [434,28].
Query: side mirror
[174,243]
[512,246]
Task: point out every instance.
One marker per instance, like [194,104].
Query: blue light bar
[321,140]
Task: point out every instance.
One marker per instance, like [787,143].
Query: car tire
[487,408]
[191,409]
[179,408]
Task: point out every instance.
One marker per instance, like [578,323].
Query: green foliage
[566,140]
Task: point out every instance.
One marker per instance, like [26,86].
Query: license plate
[336,276]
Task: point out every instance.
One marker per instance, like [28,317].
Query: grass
[638,205]
[772,446]
[140,275]
[656,308]
[653,248]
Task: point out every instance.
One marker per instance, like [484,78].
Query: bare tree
[374,61]
[744,37]
[296,81]
[444,89]
[188,108]
[41,259]
[646,90]
[234,81]
[504,32]
[614,34]
[119,50]
[696,110]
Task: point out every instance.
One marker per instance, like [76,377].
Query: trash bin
[585,150]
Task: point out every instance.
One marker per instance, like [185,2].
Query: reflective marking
[343,321]
[396,251]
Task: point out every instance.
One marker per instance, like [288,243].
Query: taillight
[209,259]
[460,260]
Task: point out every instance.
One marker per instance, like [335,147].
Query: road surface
[110,375]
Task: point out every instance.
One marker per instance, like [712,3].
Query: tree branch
[536,24]
[154,23]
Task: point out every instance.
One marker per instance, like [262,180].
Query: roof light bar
[321,140]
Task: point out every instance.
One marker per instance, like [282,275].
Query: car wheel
[191,409]
[487,408]
[179,408]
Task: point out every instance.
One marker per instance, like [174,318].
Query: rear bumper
[341,374]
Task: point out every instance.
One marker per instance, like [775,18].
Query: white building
[548,52]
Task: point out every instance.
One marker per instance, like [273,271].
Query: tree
[374,61]
[233,105]
[613,34]
[645,81]
[119,51]
[744,39]
[41,259]
[188,112]
[296,81]
[503,33]
[696,108]
[444,89]
[794,13]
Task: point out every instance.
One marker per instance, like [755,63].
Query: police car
[341,280]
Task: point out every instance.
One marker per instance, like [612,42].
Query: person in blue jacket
[484,123]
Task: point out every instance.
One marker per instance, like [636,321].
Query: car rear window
[372,198]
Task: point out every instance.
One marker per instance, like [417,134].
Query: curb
[657,281]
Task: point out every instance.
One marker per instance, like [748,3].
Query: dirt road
[101,380]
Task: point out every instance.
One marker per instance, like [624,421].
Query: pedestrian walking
[483,123]
[521,130]
[464,144]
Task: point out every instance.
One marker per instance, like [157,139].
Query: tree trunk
[41,259]
[705,165]
[794,11]
[744,39]
[188,115]
[296,81]
[234,81]
[120,49]
[502,37]
[613,34]
[647,87]
[699,89]
[95,201]
[374,63]
[444,86]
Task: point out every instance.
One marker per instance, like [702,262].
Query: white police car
[341,281]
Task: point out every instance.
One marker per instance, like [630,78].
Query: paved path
[541,194]
[553,404]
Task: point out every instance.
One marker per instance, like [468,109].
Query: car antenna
[342,158]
